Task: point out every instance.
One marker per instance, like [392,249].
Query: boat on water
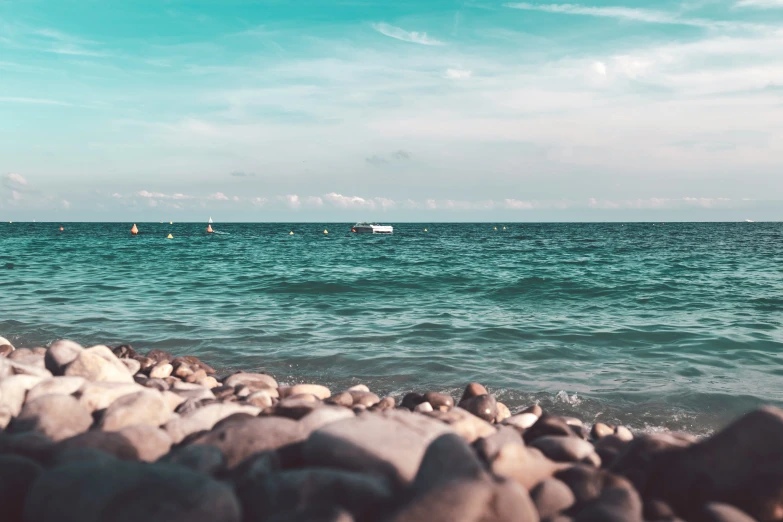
[749,221]
[210,219]
[372,228]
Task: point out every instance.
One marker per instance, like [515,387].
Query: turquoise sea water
[676,326]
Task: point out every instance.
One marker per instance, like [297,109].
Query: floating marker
[326,231]
[425,229]
[61,229]
[134,230]
[291,233]
[504,228]
[170,237]
[496,228]
[170,223]
[209,229]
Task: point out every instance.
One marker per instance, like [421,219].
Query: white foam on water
[562,396]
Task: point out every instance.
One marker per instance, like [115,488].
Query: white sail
[210,219]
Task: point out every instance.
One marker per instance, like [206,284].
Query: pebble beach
[104,434]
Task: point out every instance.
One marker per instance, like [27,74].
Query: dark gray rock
[124,351]
[411,400]
[72,455]
[198,457]
[60,354]
[564,449]
[640,457]
[484,407]
[389,443]
[238,438]
[33,445]
[717,512]
[150,442]
[194,363]
[111,443]
[160,356]
[128,491]
[473,389]
[548,425]
[439,401]
[654,509]
[585,482]
[223,392]
[744,463]
[615,504]
[293,494]
[551,497]
[17,474]
[156,384]
[56,416]
[145,362]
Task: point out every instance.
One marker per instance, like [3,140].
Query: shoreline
[167,438]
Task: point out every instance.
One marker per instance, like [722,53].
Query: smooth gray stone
[564,449]
[145,407]
[717,512]
[129,492]
[60,354]
[17,474]
[322,416]
[256,381]
[56,416]
[439,401]
[150,442]
[484,407]
[56,385]
[548,425]
[108,442]
[198,457]
[552,497]
[241,437]
[389,443]
[292,492]
[13,391]
[489,447]
[615,504]
[203,419]
[98,363]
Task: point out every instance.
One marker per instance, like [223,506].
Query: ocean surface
[655,325]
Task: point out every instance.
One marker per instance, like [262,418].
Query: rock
[489,447]
[366,399]
[293,408]
[194,363]
[322,416]
[17,475]
[145,407]
[521,421]
[527,466]
[241,437]
[5,342]
[424,407]
[172,400]
[145,362]
[411,400]
[615,504]
[359,387]
[108,442]
[183,371]
[100,395]
[161,370]
[132,365]
[198,457]
[9,367]
[717,512]
[744,463]
[448,459]
[548,425]
[60,354]
[623,433]
[13,390]
[56,385]
[387,403]
[28,357]
[473,389]
[468,426]
[98,363]
[154,383]
[503,413]
[128,491]
[640,457]
[192,391]
[5,350]
[341,399]
[564,449]
[657,509]
[390,443]
[321,392]
[600,430]
[298,494]
[482,406]
[260,399]
[204,419]
[150,443]
[56,416]
[256,381]
[439,401]
[208,382]
[535,409]
[551,497]
[160,356]
[124,351]
[33,445]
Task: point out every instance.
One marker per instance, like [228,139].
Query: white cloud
[15,181]
[517,204]
[147,194]
[292,200]
[258,201]
[348,201]
[314,201]
[16,196]
[66,204]
[219,196]
[235,198]
[406,36]
[760,4]
[116,195]
[458,74]
[431,204]
[34,101]
[600,68]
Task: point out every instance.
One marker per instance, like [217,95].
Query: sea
[658,326]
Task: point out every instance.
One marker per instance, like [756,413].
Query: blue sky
[439,110]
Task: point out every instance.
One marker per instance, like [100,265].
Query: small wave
[562,396]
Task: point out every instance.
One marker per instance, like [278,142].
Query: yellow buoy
[504,228]
[496,228]
[170,237]
[291,233]
[326,231]
[425,229]
[170,223]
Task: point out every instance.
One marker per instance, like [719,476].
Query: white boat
[750,221]
[372,228]
[210,219]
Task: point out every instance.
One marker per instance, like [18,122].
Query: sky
[391,111]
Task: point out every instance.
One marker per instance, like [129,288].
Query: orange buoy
[61,229]
[134,230]
[209,229]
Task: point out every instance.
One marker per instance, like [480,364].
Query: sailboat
[210,219]
[209,226]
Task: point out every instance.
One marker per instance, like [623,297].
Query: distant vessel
[750,221]
[371,228]
[210,219]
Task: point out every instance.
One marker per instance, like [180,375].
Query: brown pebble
[5,350]
[387,403]
[600,430]
[623,433]
[473,389]
[439,401]
[535,409]
[341,399]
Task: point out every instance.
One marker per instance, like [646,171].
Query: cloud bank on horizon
[435,110]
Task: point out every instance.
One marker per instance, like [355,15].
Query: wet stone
[60,354]
[160,356]
[341,399]
[439,401]
[503,413]
[600,430]
[552,497]
[198,457]
[411,400]
[521,421]
[387,403]
[161,370]
[56,416]
[548,425]
[564,449]
[124,351]
[473,389]
[366,399]
[17,475]
[482,406]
